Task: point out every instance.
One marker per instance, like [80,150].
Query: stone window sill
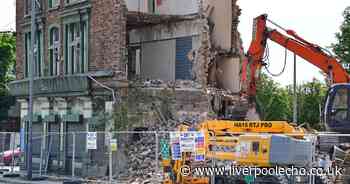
[67,5]
[54,8]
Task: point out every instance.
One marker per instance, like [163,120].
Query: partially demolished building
[162,60]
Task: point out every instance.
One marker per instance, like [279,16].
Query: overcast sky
[7,15]
[315,20]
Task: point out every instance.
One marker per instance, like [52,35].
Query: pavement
[22,180]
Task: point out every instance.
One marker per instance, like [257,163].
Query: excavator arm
[294,43]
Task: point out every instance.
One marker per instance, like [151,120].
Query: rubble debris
[183,84]
[182,106]
[142,162]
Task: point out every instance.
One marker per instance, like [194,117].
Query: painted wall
[165,7]
[158,60]
[159,47]
[221,16]
[137,5]
[178,7]
[165,31]
[228,74]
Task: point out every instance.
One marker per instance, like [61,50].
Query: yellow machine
[245,143]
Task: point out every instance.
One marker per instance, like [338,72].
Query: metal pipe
[31,81]
[295,100]
[157,151]
[41,154]
[3,135]
[110,160]
[13,151]
[73,156]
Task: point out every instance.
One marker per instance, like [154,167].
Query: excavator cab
[337,109]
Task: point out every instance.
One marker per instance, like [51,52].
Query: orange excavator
[336,113]
[261,143]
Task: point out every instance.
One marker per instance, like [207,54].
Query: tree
[7,60]
[7,64]
[310,97]
[275,102]
[342,47]
[272,100]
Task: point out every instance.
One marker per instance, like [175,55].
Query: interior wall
[178,7]
[137,5]
[228,73]
[165,31]
[221,17]
[158,60]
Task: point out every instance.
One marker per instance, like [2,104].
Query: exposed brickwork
[107,38]
[20,41]
[236,36]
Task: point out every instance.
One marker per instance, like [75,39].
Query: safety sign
[91,140]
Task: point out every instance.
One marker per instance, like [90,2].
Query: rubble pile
[142,165]
[180,84]
[188,101]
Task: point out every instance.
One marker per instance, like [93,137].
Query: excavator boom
[294,43]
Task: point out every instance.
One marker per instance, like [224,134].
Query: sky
[315,20]
[7,15]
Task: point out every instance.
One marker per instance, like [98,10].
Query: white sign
[187,142]
[91,141]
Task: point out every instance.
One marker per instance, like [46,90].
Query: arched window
[54,51]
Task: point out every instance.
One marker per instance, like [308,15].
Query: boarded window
[183,67]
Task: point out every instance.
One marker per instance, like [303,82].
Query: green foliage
[342,47]
[7,60]
[272,100]
[276,102]
[310,97]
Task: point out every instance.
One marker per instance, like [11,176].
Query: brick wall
[236,37]
[108,37]
[19,38]
[49,17]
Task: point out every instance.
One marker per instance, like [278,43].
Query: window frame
[39,64]
[72,2]
[28,7]
[72,68]
[54,62]
[52,4]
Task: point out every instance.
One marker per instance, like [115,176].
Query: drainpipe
[106,87]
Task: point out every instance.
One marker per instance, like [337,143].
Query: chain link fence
[10,152]
[130,156]
[124,157]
